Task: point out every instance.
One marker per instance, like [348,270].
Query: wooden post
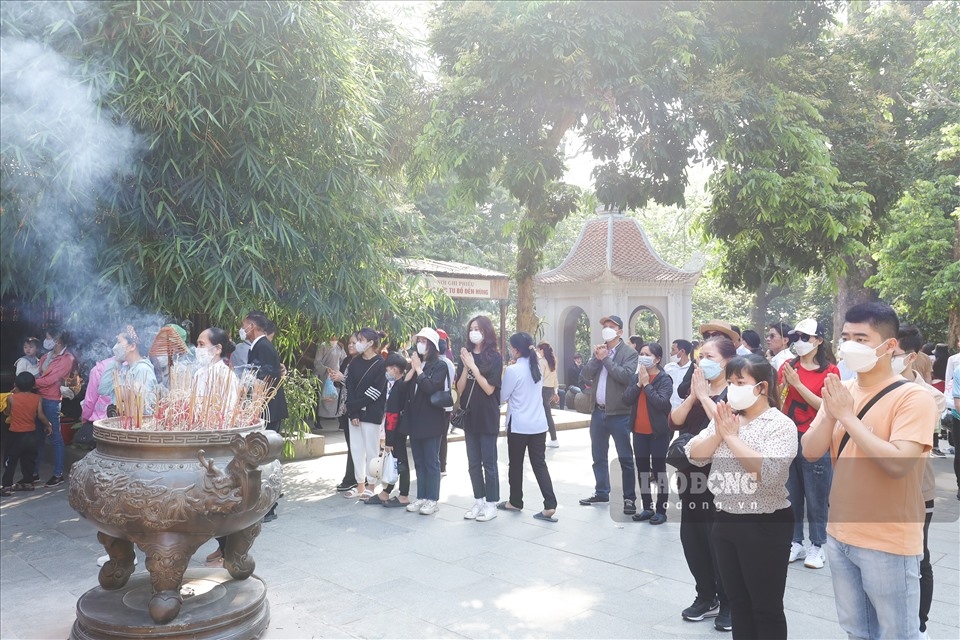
[503,328]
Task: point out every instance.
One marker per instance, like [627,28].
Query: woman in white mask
[708,386]
[478,388]
[214,378]
[750,446]
[801,385]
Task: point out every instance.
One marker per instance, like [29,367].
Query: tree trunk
[953,324]
[852,290]
[526,316]
[764,294]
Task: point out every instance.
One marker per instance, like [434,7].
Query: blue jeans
[426,461]
[877,593]
[51,409]
[810,482]
[602,427]
[482,463]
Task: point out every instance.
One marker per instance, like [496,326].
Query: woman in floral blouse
[751,446]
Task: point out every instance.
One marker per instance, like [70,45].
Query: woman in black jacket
[649,397]
[423,422]
[366,383]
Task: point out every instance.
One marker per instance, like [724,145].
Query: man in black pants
[264,356]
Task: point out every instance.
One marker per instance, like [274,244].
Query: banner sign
[464,288]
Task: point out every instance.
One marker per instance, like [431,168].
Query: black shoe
[629,507]
[658,518]
[700,609]
[346,486]
[937,453]
[724,621]
[270,517]
[644,515]
[54,481]
[594,499]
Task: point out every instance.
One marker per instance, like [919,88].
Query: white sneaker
[814,558]
[797,552]
[489,512]
[475,510]
[553,444]
[102,560]
[414,506]
[429,508]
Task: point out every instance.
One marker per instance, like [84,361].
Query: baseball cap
[614,319]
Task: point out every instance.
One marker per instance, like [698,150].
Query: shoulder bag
[867,407]
[442,398]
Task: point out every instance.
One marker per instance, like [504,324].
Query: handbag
[460,413]
[676,455]
[442,398]
[390,473]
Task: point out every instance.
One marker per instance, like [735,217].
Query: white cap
[430,335]
[808,326]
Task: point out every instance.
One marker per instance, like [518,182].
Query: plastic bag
[329,391]
[389,472]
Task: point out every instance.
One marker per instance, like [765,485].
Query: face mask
[361,347]
[119,352]
[608,334]
[204,356]
[899,364]
[741,397]
[675,359]
[390,377]
[476,337]
[858,357]
[645,361]
[243,334]
[742,350]
[802,348]
[710,369]
[422,348]
[49,344]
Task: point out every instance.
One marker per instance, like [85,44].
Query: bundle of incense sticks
[210,398]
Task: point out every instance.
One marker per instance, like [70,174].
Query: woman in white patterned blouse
[751,445]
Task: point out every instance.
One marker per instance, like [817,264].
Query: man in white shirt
[680,351]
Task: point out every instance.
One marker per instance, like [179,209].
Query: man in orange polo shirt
[875,523]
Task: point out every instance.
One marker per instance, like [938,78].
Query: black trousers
[752,553]
[403,465]
[696,523]
[926,571]
[956,448]
[348,474]
[536,444]
[22,448]
[650,453]
[547,397]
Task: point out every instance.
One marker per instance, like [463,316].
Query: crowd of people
[761,441]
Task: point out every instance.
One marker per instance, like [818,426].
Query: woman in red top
[801,379]
[649,397]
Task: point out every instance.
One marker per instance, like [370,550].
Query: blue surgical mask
[710,368]
[390,377]
[646,361]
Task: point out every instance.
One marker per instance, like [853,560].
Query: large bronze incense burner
[169,492]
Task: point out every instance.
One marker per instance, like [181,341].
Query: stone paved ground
[336,568]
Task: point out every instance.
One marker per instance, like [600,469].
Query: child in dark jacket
[24,409]
[396,442]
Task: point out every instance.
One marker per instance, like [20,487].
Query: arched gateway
[612,268]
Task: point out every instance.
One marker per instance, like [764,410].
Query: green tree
[266,172]
[516,77]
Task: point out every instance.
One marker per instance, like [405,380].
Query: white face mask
[49,344]
[243,334]
[422,348]
[362,346]
[608,334]
[675,359]
[204,356]
[743,351]
[119,352]
[476,337]
[741,398]
[899,364]
[802,348]
[859,358]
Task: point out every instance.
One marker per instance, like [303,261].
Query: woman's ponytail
[523,343]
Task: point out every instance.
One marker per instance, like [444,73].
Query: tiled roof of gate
[619,244]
